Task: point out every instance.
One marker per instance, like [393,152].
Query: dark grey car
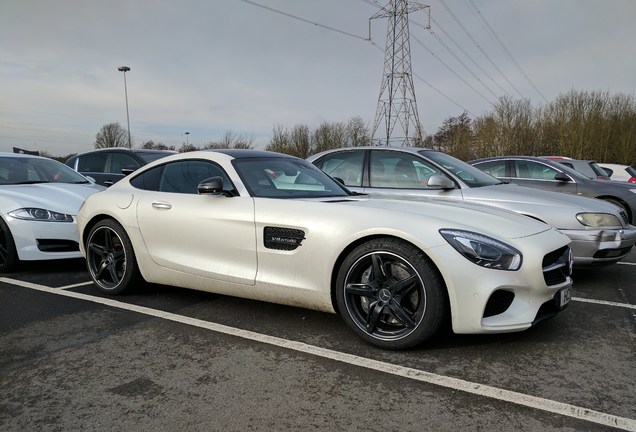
[109,165]
[550,175]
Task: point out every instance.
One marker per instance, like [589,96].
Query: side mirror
[211,186]
[441,182]
[562,177]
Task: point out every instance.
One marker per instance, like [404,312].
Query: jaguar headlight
[598,219]
[483,250]
[40,215]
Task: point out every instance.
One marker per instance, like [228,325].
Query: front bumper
[35,240]
[595,247]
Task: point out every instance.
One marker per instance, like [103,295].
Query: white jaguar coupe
[39,198]
[272,227]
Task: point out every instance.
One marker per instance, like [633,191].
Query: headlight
[483,250]
[42,215]
[598,219]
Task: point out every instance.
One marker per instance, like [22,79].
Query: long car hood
[519,198]
[60,197]
[456,214]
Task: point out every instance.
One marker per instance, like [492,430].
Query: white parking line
[603,302]
[405,372]
[75,285]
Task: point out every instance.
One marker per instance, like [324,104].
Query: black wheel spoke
[359,289]
[379,271]
[400,314]
[405,286]
[374,316]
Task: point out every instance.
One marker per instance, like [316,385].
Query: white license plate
[564,296]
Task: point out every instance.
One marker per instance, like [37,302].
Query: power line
[470,36]
[326,27]
[492,33]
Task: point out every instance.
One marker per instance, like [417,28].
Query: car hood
[60,197]
[485,219]
[520,198]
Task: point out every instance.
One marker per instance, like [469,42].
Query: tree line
[578,124]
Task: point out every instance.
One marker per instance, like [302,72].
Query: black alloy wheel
[391,294]
[110,258]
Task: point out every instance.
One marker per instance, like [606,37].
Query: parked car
[39,198]
[395,270]
[550,175]
[109,165]
[600,233]
[618,172]
[588,168]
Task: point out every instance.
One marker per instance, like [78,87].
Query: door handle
[161,205]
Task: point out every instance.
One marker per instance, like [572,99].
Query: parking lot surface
[163,358]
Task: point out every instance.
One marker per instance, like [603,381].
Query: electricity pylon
[396,102]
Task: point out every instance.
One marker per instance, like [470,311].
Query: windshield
[286,178]
[30,170]
[470,175]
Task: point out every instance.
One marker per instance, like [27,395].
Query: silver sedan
[600,231]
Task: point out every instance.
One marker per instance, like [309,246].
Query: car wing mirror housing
[441,182]
[562,177]
[211,186]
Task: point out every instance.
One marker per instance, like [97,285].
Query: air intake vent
[286,239]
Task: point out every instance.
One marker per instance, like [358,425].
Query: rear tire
[8,254]
[391,294]
[110,258]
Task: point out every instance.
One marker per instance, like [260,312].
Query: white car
[618,172]
[272,227]
[39,198]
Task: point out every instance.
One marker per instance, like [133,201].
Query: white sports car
[272,227]
[39,198]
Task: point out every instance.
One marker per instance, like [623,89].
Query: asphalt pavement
[164,359]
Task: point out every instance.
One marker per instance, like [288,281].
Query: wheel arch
[619,202]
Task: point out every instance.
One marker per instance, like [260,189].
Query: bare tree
[111,135]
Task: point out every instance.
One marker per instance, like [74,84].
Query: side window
[495,168]
[399,170]
[346,166]
[93,163]
[148,180]
[185,176]
[118,161]
[534,170]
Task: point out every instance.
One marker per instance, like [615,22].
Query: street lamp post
[186,134]
[125,69]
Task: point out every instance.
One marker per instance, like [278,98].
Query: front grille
[499,302]
[54,245]
[557,266]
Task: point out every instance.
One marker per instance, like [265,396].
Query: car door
[403,173]
[206,235]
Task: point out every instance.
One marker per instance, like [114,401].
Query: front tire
[391,294]
[8,253]
[110,258]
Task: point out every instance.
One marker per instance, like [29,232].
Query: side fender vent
[286,239]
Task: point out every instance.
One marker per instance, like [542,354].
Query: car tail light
[632,180]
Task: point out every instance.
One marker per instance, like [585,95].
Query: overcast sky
[212,66]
